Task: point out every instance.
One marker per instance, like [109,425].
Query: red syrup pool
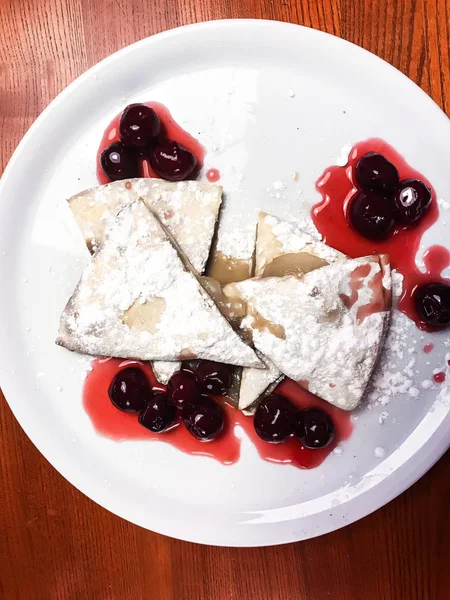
[337,188]
[171,130]
[120,426]
[292,451]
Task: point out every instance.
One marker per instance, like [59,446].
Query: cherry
[374,173]
[432,302]
[139,126]
[183,388]
[119,162]
[215,378]
[275,419]
[158,414]
[412,200]
[371,215]
[190,366]
[314,429]
[204,419]
[130,390]
[172,161]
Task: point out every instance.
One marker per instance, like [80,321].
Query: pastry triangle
[188,209]
[282,248]
[255,383]
[137,299]
[163,370]
[324,329]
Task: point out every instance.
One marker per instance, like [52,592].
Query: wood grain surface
[54,542]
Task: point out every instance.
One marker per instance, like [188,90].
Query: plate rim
[407,474]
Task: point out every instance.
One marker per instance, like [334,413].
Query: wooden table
[55,543]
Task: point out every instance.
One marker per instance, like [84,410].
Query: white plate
[266,99]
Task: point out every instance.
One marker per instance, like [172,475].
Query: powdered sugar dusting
[278,189]
[389,379]
[342,158]
[290,238]
[443,204]
[324,342]
[237,243]
[397,285]
[137,262]
[255,381]
[275,238]
[188,209]
[395,377]
[383,416]
[380,452]
[163,370]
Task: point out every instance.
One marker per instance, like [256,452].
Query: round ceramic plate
[266,99]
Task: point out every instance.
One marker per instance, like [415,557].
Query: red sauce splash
[428,348]
[118,425]
[337,188]
[378,304]
[213,175]
[439,377]
[356,281]
[171,130]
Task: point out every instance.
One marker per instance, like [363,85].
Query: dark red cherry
[190,366]
[182,388]
[275,419]
[374,173]
[172,161]
[130,389]
[204,419]
[214,378]
[119,162]
[372,216]
[432,302]
[315,429]
[412,199]
[139,126]
[158,414]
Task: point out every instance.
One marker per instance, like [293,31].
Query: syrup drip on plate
[439,377]
[337,187]
[213,175]
[121,426]
[170,129]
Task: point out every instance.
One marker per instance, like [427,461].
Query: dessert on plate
[188,209]
[137,299]
[281,248]
[283,342]
[323,329]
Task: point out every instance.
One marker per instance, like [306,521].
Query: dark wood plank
[55,543]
